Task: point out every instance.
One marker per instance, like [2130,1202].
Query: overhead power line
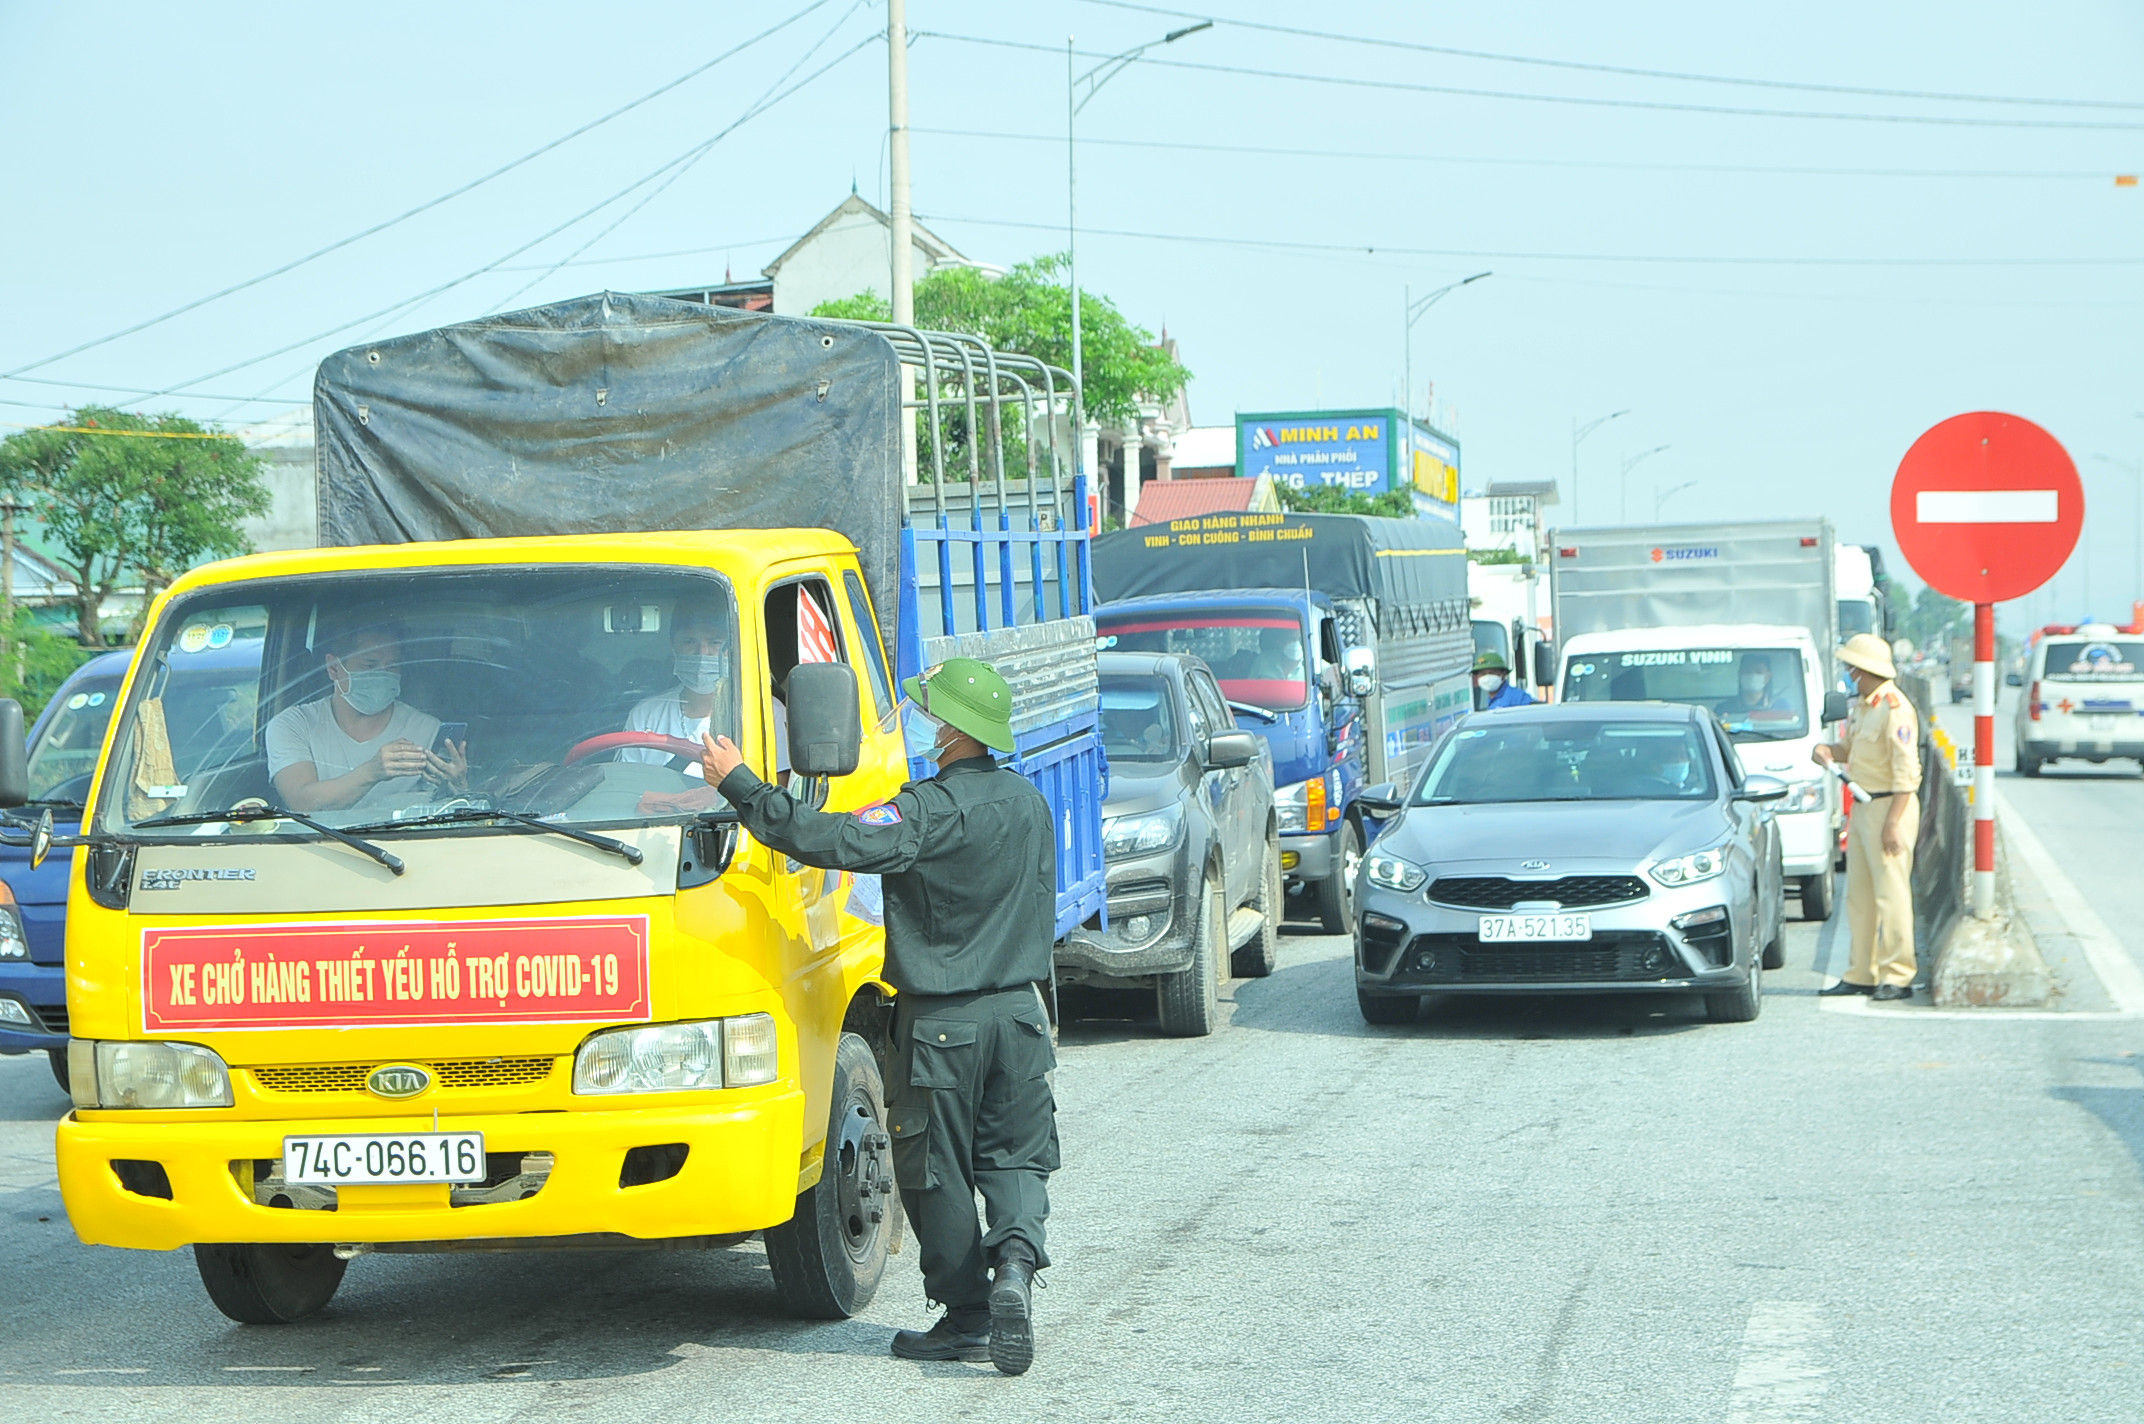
[127,391]
[1584,66]
[1578,100]
[1691,259]
[688,156]
[423,207]
[2098,175]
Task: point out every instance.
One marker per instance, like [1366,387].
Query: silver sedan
[1598,847]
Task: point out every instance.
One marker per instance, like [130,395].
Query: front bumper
[1406,945]
[1154,889]
[741,1174]
[2048,748]
[1313,855]
[42,988]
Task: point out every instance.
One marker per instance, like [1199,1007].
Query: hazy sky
[152,154]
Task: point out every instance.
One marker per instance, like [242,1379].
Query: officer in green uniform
[970,865]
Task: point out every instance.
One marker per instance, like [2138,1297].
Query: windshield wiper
[65,803]
[631,854]
[1255,710]
[276,813]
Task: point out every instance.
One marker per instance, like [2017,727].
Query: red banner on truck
[343,975]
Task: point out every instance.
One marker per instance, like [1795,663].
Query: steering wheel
[617,741]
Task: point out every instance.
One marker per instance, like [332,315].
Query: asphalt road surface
[1576,1210]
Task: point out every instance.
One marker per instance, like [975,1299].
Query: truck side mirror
[825,720]
[1225,750]
[14,756]
[1544,664]
[2013,679]
[1361,672]
[1835,707]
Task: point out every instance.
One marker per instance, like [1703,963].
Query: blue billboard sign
[1352,449]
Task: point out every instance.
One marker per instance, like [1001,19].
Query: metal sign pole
[1984,760]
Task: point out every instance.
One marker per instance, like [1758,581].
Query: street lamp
[2135,470]
[1579,433]
[1661,497]
[1094,79]
[1414,311]
[1622,488]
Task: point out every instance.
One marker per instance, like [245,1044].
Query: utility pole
[1412,312]
[1660,498]
[1622,492]
[8,640]
[1579,433]
[904,222]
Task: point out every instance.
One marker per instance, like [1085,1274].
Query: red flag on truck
[815,637]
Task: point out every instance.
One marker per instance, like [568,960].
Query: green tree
[1029,310]
[1931,618]
[1334,499]
[155,496]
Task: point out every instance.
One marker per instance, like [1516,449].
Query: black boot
[947,1340]
[1012,1329]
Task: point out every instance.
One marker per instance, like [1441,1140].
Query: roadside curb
[1993,963]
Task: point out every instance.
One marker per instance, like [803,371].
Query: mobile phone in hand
[455,732]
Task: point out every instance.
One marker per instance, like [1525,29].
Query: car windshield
[2095,660]
[64,755]
[1756,692]
[1568,760]
[1257,655]
[566,693]
[1492,637]
[1139,718]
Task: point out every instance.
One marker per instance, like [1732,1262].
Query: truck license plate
[1499,929]
[374,1159]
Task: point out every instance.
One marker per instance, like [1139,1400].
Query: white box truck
[1741,619]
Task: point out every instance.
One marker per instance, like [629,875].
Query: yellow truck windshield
[572,693]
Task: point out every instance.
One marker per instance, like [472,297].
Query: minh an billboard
[1362,451]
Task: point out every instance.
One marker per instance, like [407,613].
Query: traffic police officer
[970,865]
[1883,758]
[1493,686]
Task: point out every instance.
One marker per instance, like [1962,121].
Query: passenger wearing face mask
[1493,686]
[360,745]
[700,660]
[1754,691]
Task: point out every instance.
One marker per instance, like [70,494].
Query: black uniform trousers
[970,1107]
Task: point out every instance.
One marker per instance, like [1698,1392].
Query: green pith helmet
[1490,662]
[967,694]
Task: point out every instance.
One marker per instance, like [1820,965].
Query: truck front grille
[1573,892]
[450,1073]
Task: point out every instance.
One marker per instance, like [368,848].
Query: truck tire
[1387,1009]
[269,1283]
[1336,893]
[1739,1005]
[1818,892]
[829,1258]
[57,1057]
[1188,1002]
[1257,958]
[2029,765]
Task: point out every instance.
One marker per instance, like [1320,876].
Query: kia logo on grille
[398,1080]
[1533,865]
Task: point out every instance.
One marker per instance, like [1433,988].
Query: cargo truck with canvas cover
[1740,619]
[1346,640]
[449,943]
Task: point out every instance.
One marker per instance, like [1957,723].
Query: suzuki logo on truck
[1684,556]
[398,1080]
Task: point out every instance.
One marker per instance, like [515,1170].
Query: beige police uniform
[1884,759]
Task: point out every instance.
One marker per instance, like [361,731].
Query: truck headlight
[14,944]
[1690,869]
[678,1057]
[1311,805]
[1393,873]
[1136,835]
[1802,796]
[147,1075]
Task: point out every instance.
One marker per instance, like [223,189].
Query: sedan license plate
[374,1159]
[1501,929]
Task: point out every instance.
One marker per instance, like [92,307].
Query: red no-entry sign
[1986,506]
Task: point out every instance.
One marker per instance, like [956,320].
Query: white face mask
[920,732]
[699,674]
[372,690]
[1754,683]
[1492,683]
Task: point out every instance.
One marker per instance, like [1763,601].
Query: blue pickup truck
[1345,640]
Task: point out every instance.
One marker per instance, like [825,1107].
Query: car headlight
[147,1075]
[1802,796]
[1690,869]
[679,1057]
[1393,873]
[1136,835]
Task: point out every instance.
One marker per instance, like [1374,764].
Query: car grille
[1573,892]
[453,1073]
[1610,956]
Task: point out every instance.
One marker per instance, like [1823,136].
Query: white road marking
[268,1369]
[1782,1376]
[2040,506]
[2116,970]
[106,1370]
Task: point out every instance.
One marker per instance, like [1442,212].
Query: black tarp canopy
[1398,562]
[616,413]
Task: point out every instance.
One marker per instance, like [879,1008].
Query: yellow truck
[436,939]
